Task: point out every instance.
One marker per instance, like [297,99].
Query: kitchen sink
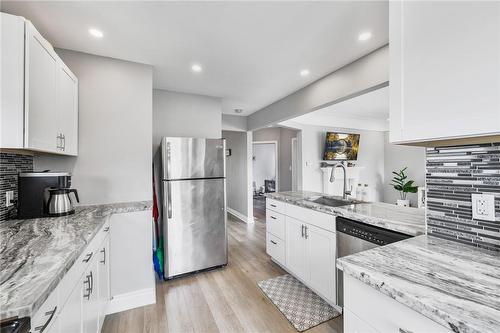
[332,202]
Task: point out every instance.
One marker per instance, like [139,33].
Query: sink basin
[332,202]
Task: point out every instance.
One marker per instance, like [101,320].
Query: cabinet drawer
[320,220]
[71,278]
[275,224]
[353,324]
[46,315]
[275,205]
[275,247]
[389,316]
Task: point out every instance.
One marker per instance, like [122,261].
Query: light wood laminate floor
[223,300]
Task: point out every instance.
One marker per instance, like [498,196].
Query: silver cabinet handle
[87,258]
[63,142]
[274,218]
[106,229]
[87,289]
[103,251]
[404,331]
[272,205]
[168,160]
[44,326]
[274,242]
[305,232]
[302,231]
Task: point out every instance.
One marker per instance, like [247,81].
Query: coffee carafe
[59,202]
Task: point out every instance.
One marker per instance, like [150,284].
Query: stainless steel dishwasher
[354,237]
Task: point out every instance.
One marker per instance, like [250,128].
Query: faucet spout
[332,178]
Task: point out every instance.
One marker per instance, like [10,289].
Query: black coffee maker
[34,190]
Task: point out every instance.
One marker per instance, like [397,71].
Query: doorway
[265,174]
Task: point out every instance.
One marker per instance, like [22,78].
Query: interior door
[195,232]
[40,89]
[187,158]
[68,109]
[296,247]
[321,250]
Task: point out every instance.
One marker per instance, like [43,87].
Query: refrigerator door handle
[169,200]
[169,166]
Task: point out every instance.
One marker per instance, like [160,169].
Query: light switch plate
[483,207]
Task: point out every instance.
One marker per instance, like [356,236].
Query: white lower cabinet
[368,310]
[70,317]
[309,243]
[90,299]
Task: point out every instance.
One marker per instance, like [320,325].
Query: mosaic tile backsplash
[10,166]
[452,174]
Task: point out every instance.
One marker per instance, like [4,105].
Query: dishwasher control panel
[369,233]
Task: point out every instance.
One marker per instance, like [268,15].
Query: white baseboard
[240,216]
[131,300]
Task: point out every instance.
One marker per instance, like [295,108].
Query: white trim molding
[240,216]
[131,300]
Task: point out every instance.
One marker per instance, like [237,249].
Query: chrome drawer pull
[272,205]
[404,331]
[87,258]
[44,326]
[103,251]
[106,229]
[274,242]
[274,218]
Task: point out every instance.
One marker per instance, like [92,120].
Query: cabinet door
[103,273]
[445,65]
[68,109]
[70,317]
[296,248]
[352,324]
[40,93]
[90,300]
[321,261]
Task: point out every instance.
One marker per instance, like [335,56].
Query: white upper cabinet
[444,70]
[39,92]
[40,88]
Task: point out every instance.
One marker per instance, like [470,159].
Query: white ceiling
[251,52]
[369,111]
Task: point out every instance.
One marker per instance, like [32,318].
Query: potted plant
[403,186]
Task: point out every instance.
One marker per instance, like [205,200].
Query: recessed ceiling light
[96,33]
[365,36]
[238,110]
[304,72]
[196,68]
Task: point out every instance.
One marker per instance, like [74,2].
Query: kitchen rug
[299,304]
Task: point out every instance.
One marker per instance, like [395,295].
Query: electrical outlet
[9,196]
[483,207]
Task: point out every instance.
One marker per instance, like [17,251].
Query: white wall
[370,157]
[234,123]
[264,163]
[397,157]
[115,117]
[236,172]
[187,115]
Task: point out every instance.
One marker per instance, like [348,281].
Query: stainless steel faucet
[345,193]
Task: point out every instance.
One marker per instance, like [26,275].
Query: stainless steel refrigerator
[193,204]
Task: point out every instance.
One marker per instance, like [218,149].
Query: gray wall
[284,137]
[236,167]
[397,157]
[187,115]
[234,123]
[365,74]
[115,131]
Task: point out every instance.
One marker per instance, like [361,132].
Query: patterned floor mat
[299,304]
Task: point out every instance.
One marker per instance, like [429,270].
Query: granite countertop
[36,253]
[410,221]
[456,285]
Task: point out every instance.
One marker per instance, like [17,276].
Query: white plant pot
[403,203]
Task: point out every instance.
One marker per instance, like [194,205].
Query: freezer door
[186,158]
[195,225]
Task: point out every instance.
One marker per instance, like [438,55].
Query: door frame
[294,163]
[275,142]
